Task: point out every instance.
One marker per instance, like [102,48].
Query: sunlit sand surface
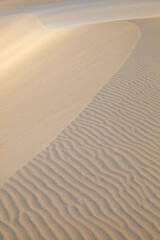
[48,77]
[80,128]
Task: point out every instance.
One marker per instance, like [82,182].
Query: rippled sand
[48,77]
[93,91]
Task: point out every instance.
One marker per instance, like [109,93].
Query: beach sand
[80,130]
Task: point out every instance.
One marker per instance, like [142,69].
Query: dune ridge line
[99,179]
[47,77]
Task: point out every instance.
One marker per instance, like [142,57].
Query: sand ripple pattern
[100,178]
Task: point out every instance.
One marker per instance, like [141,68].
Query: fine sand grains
[99,179]
[48,76]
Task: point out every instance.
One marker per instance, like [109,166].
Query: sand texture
[100,178]
[48,77]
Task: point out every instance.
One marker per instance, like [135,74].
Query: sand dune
[74,13]
[79,120]
[99,179]
[48,77]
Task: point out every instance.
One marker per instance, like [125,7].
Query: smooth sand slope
[47,77]
[99,179]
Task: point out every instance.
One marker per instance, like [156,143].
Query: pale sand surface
[100,178]
[47,77]
[75,13]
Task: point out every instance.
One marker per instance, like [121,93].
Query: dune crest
[49,76]
[62,14]
[99,179]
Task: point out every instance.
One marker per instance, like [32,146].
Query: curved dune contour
[62,13]
[91,94]
[100,178]
[48,77]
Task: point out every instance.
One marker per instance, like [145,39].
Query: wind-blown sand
[100,177]
[48,77]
